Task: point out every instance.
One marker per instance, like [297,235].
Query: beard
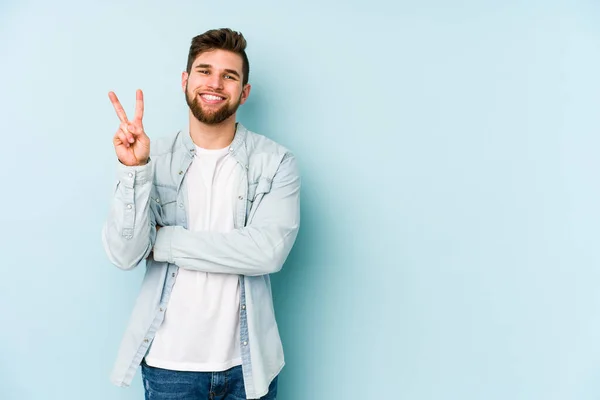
[210,117]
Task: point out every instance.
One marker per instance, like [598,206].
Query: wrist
[138,164]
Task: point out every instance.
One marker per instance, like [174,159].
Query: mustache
[198,91]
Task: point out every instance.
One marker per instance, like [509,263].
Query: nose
[215,81]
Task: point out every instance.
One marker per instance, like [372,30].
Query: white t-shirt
[200,331]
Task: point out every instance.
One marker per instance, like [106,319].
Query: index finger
[118,107]
[139,105]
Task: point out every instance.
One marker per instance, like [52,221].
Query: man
[213,209]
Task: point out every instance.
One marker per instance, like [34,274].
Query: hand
[132,145]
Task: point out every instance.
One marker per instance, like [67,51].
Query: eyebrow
[230,71]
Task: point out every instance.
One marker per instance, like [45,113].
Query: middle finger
[118,107]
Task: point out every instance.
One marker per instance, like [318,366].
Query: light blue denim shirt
[267,218]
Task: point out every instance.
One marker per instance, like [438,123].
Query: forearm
[129,230]
[259,248]
[248,251]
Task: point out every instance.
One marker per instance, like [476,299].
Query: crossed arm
[131,232]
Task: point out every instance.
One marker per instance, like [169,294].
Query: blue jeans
[162,384]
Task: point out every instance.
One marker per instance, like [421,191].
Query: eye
[203,71]
[229,77]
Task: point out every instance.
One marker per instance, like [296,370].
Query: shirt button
[146,340]
[180,172]
[241,197]
[245,343]
[130,175]
[180,205]
[129,206]
[161,309]
[173,274]
[243,306]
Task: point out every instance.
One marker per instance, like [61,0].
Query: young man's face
[213,88]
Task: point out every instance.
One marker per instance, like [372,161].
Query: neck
[212,137]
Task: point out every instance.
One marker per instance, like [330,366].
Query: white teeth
[211,97]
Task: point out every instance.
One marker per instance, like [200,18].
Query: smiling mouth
[211,98]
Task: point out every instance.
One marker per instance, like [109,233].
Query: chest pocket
[164,204]
[256,191]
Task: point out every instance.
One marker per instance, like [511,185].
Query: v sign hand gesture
[132,145]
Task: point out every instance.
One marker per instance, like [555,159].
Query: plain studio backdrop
[449,151]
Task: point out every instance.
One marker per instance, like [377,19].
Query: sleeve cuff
[162,246]
[133,176]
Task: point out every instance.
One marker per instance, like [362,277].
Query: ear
[184,79]
[245,93]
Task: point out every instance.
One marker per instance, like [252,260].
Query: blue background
[449,153]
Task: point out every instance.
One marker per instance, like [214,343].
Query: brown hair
[220,39]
